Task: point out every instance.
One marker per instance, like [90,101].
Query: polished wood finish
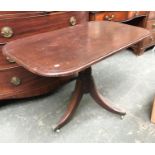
[29,84]
[12,14]
[74,50]
[37,23]
[118,16]
[137,18]
[110,16]
[30,23]
[27,23]
[69,50]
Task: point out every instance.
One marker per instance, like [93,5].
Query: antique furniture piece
[143,19]
[78,48]
[117,16]
[15,81]
[150,25]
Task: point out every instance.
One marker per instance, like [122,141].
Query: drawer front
[17,14]
[117,16]
[14,28]
[19,83]
[111,16]
[141,13]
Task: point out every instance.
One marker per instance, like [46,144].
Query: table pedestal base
[85,84]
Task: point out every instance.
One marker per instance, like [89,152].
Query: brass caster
[122,117]
[55,129]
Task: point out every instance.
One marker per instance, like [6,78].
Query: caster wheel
[55,129]
[122,117]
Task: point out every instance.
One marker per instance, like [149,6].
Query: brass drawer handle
[153,25]
[110,17]
[136,13]
[72,21]
[7,32]
[107,17]
[15,81]
[10,60]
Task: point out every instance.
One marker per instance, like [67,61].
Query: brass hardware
[72,21]
[15,81]
[112,16]
[153,25]
[109,17]
[7,32]
[122,116]
[10,60]
[136,13]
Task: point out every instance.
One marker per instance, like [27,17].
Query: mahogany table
[74,50]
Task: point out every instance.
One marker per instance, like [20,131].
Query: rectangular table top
[69,50]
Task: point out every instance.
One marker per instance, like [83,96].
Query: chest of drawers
[117,16]
[15,81]
[143,19]
[150,25]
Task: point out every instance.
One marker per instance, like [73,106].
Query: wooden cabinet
[15,81]
[29,24]
[117,16]
[150,41]
[110,16]
[143,19]
[150,25]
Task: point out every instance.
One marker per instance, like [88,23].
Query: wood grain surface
[72,49]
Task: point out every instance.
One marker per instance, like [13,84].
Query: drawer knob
[110,17]
[136,13]
[15,81]
[107,17]
[153,25]
[72,21]
[10,60]
[7,32]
